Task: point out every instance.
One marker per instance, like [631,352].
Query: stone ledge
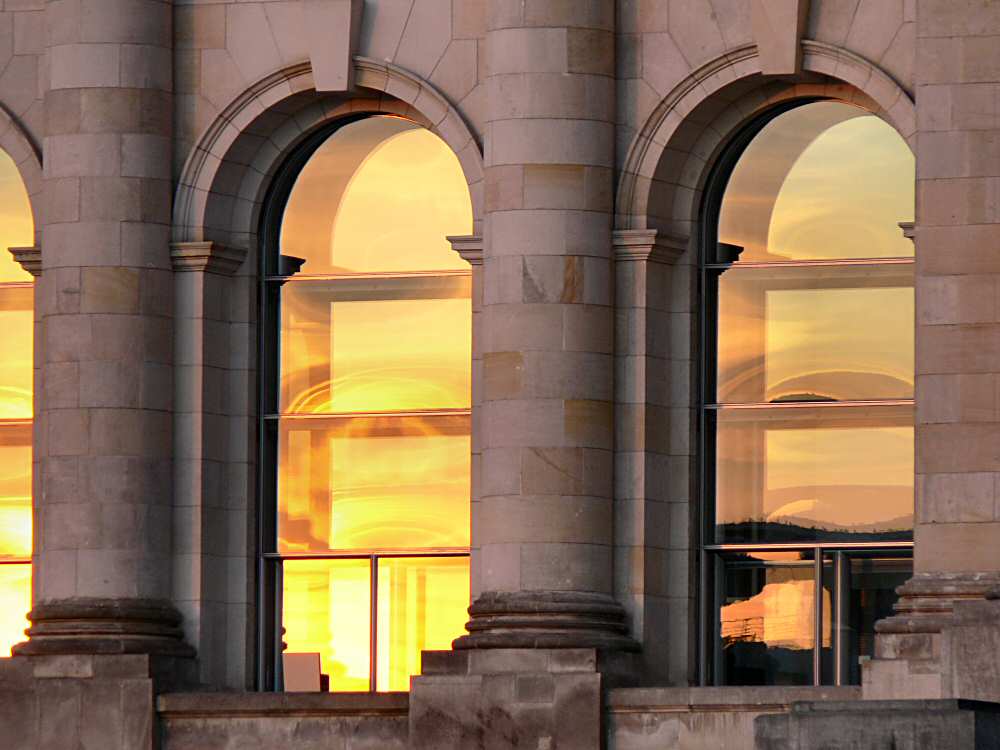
[683,700]
[274,705]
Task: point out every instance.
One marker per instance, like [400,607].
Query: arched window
[16,345]
[808,396]
[366,404]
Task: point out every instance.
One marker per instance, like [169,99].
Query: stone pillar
[544,525]
[958,344]
[103,531]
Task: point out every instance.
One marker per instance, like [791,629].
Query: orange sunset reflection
[16,345]
[374,396]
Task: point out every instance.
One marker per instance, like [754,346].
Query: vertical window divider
[373,617]
[818,617]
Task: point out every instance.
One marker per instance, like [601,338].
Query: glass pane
[16,223]
[814,474]
[327,610]
[824,333]
[824,180]
[376,344]
[422,605]
[16,322]
[15,491]
[870,594]
[767,620]
[373,483]
[380,194]
[15,601]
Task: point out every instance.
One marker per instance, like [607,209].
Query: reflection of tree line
[896,530]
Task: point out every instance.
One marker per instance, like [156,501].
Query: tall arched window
[808,397]
[366,432]
[16,345]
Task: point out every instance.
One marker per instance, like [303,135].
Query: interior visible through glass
[373,404]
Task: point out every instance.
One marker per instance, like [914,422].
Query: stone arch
[670,158]
[21,147]
[224,181]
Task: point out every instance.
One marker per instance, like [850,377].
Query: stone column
[103,533]
[544,525]
[957,554]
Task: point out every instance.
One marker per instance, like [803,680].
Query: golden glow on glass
[805,471]
[823,180]
[16,345]
[17,228]
[374,430]
[376,345]
[326,609]
[421,606]
[15,601]
[15,491]
[819,333]
[374,483]
[381,194]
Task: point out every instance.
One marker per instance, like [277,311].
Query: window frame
[711,555]
[271,276]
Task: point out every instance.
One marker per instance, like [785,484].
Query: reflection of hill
[836,509]
[842,384]
[750,531]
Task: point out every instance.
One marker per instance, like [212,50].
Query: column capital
[469,246]
[29,258]
[207,257]
[649,245]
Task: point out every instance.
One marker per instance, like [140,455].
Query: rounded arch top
[669,158]
[18,144]
[227,173]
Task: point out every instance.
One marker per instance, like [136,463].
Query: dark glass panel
[870,593]
[817,333]
[379,195]
[823,180]
[376,344]
[422,605]
[812,473]
[767,620]
[326,610]
[386,482]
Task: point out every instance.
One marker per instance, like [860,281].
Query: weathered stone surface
[871,725]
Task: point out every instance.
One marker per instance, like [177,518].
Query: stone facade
[148,134]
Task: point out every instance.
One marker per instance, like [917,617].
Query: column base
[546,619]
[104,626]
[927,600]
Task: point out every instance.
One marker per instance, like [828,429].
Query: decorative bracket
[207,257]
[778,27]
[30,258]
[470,247]
[908,228]
[332,30]
[647,245]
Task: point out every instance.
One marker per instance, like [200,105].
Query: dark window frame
[273,272]
[710,555]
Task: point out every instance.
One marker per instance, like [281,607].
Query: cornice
[207,257]
[647,245]
[469,246]
[30,258]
